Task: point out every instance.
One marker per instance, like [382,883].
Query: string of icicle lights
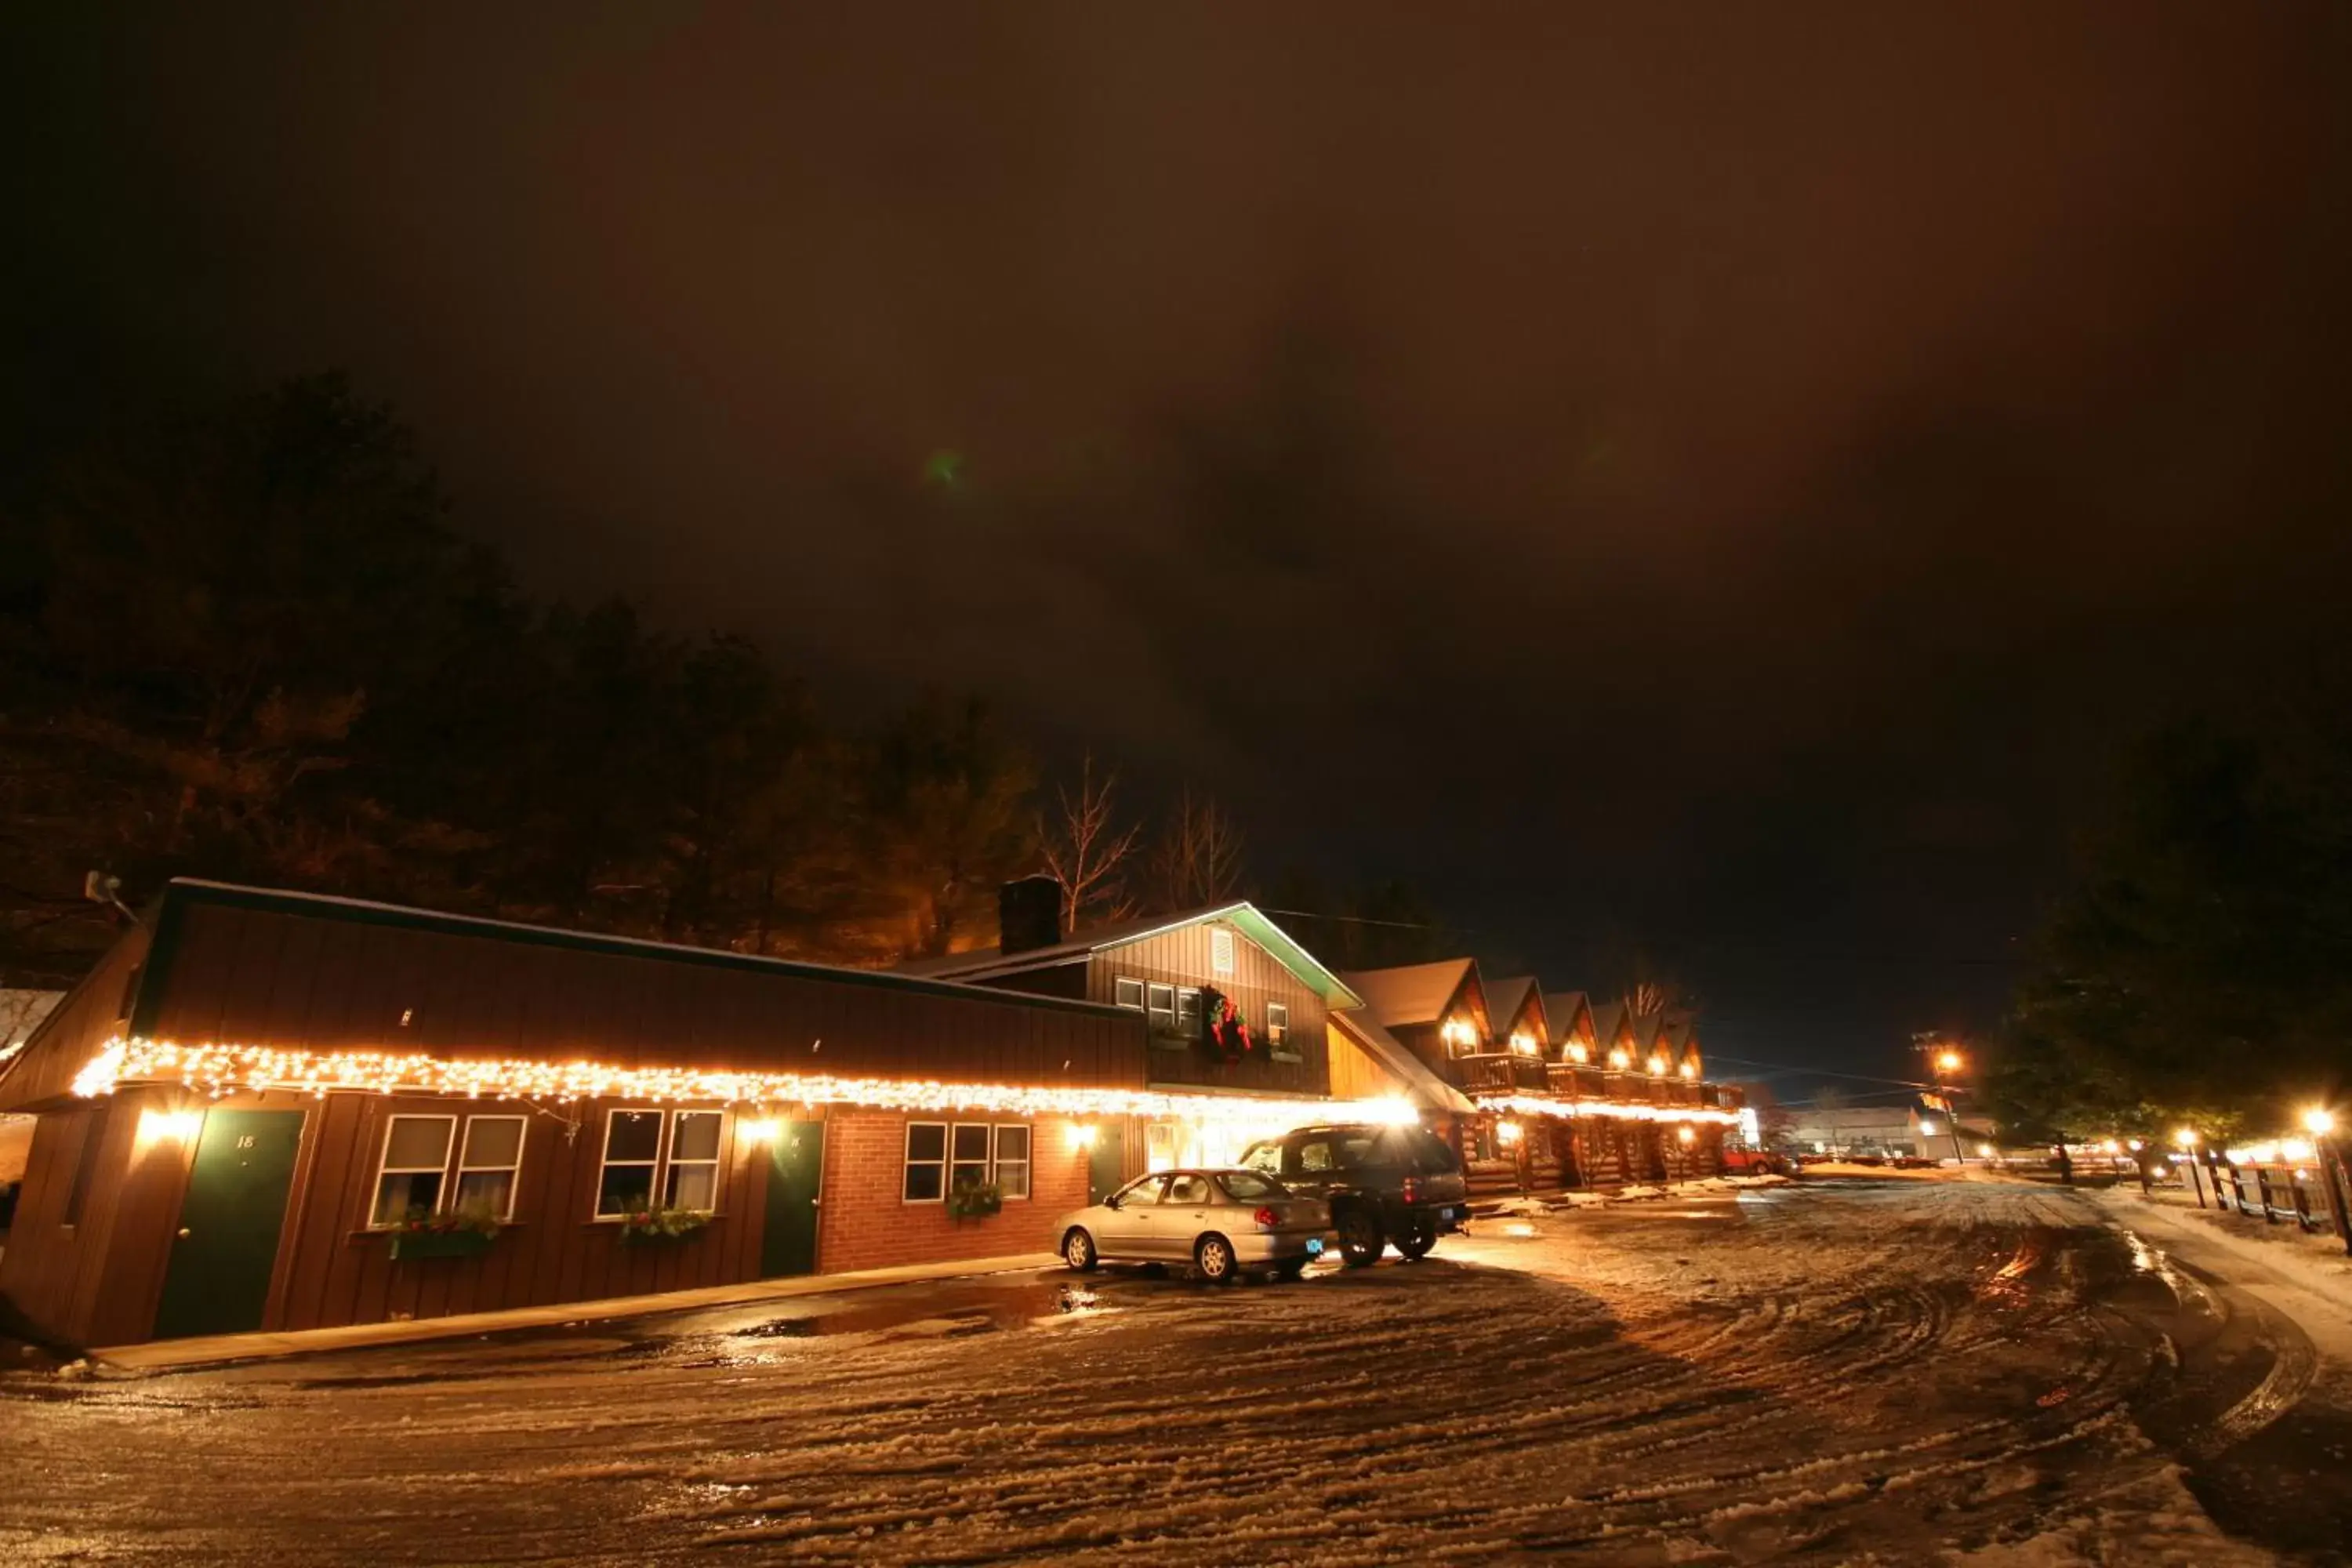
[1571,1110]
[220,1069]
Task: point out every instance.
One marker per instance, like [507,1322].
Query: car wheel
[1360,1238]
[1416,1242]
[1212,1255]
[1079,1251]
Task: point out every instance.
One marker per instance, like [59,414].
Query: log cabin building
[1566,1093]
[266,1109]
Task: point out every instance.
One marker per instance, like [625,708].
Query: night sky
[1721,479]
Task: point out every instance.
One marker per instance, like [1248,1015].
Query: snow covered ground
[1967,1373]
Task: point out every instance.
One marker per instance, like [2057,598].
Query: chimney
[1028,915]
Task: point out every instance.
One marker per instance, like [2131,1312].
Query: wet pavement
[1862,1372]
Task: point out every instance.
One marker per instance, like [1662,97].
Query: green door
[218,1280]
[1106,1165]
[788,1238]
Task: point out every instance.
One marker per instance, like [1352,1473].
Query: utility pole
[1945,1060]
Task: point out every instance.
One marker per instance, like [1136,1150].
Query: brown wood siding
[76,1030]
[272,976]
[335,1270]
[1181,957]
[1354,1074]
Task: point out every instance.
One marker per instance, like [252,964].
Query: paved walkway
[160,1354]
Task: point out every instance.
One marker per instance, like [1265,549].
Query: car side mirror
[1111,1202]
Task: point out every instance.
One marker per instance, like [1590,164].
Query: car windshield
[1143,1189]
[1249,1187]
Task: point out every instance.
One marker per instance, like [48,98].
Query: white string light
[220,1069]
[1574,1109]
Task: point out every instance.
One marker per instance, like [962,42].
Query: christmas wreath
[1223,1029]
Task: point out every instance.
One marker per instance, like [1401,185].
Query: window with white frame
[1188,1010]
[1127,993]
[488,1162]
[1278,1025]
[673,1154]
[693,1179]
[1161,1006]
[1013,1161]
[926,1162]
[416,1164]
[968,1156]
[941,1158]
[633,1146]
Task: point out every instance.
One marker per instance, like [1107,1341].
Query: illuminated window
[487,1165]
[693,1180]
[416,1161]
[1013,1161]
[1278,1024]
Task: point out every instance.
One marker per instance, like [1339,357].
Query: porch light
[1620,1059]
[1690,1069]
[168,1126]
[1084,1135]
[1686,1135]
[1506,1132]
[758,1130]
[1658,1066]
[1576,1051]
[1524,1043]
[1927,1130]
[1457,1032]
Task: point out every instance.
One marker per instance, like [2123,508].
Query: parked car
[1384,1185]
[1224,1223]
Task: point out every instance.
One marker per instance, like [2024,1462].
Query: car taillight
[1413,1189]
[1268,1219]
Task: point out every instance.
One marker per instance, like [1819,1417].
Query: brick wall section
[865,1223]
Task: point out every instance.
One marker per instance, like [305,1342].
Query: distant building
[1907,1127]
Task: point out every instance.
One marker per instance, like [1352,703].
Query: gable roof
[1411,994]
[1506,999]
[1561,1008]
[1608,1023]
[1399,1061]
[987,963]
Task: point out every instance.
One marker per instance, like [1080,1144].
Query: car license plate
[1314,1247]
[1449,1214]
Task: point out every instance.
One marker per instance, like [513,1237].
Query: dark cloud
[1720,478]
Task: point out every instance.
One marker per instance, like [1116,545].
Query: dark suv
[1400,1185]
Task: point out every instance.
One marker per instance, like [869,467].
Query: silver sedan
[1221,1222]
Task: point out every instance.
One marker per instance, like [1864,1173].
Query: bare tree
[1199,859]
[1085,850]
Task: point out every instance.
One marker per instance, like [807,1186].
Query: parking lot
[1820,1373]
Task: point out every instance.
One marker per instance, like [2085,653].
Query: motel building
[1560,1093]
[276,1110]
